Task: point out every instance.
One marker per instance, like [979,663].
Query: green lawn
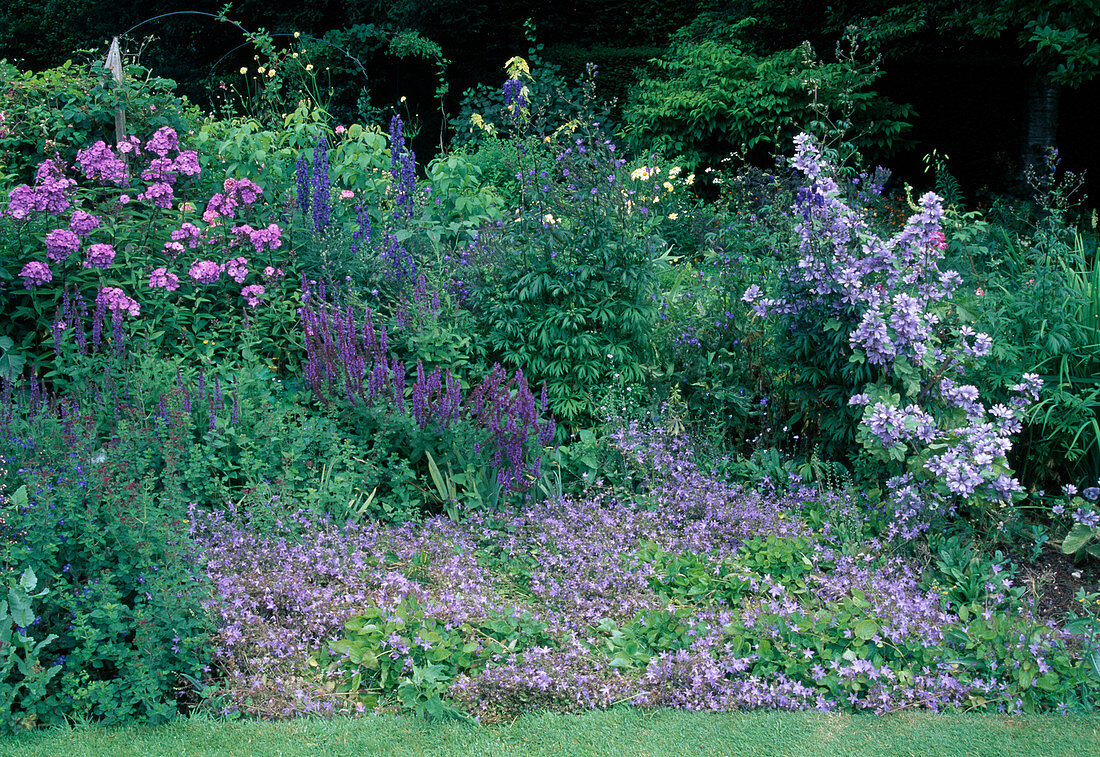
[623,732]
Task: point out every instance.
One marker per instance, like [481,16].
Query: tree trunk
[1042,120]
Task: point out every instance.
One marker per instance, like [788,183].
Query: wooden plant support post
[114,65]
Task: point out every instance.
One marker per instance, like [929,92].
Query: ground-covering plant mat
[621,731]
[698,595]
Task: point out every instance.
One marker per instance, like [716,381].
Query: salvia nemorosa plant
[349,361]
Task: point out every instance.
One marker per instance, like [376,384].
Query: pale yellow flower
[673,216]
[309,67]
[690,179]
[244,69]
[668,186]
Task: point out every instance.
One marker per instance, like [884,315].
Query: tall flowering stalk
[402,173]
[322,182]
[348,360]
[888,302]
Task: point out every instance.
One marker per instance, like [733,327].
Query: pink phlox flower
[100,162]
[162,141]
[161,278]
[253,294]
[36,273]
[160,194]
[205,271]
[60,244]
[173,248]
[100,256]
[237,269]
[82,223]
[117,301]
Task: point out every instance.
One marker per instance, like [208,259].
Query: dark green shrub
[713,94]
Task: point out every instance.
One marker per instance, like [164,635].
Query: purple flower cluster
[889,287]
[116,301]
[60,244]
[855,631]
[101,163]
[205,271]
[36,273]
[236,193]
[161,278]
[253,294]
[48,195]
[83,223]
[237,269]
[349,359]
[515,96]
[100,256]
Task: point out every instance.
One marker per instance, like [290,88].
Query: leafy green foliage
[65,109]
[23,680]
[713,94]
[123,623]
[369,669]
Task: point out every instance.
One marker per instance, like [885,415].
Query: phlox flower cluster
[99,256]
[237,269]
[50,193]
[116,301]
[205,271]
[253,294]
[36,273]
[60,244]
[161,278]
[236,193]
[100,162]
[83,223]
